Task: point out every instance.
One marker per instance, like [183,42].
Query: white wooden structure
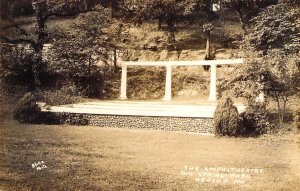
[169,64]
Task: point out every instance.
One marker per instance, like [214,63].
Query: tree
[226,119]
[207,28]
[77,50]
[117,40]
[165,12]
[16,67]
[271,49]
[247,9]
[208,8]
[15,7]
[43,10]
[283,79]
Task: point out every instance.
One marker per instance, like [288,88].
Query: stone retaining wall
[184,124]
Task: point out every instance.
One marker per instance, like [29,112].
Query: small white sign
[38,165]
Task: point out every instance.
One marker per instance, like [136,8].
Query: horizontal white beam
[183,63]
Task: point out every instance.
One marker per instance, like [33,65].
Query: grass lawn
[93,158]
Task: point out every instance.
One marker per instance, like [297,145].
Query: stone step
[139,109]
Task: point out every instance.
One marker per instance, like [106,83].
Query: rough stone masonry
[183,124]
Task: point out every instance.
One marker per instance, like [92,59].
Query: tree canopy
[43,10]
[271,50]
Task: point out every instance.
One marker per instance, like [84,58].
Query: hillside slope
[148,43]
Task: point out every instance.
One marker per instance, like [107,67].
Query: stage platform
[196,109]
[184,116]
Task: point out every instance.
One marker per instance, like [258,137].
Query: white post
[124,82]
[213,83]
[261,97]
[168,88]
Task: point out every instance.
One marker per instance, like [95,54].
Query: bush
[62,96]
[26,110]
[90,85]
[256,119]
[76,119]
[226,119]
[63,118]
[8,98]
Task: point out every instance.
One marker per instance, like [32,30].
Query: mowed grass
[93,158]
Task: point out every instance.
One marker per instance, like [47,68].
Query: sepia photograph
[140,95]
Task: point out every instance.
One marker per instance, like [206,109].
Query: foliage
[255,119]
[208,27]
[276,27]
[271,52]
[226,119]
[26,109]
[283,80]
[43,10]
[76,53]
[16,67]
[62,118]
[76,119]
[182,79]
[169,13]
[15,7]
[8,97]
[65,95]
[247,9]
[24,7]
[275,36]
[117,40]
[139,86]
[229,40]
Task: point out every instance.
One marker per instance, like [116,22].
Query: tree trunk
[285,99]
[159,24]
[279,110]
[207,57]
[242,21]
[36,69]
[39,43]
[209,10]
[115,60]
[90,64]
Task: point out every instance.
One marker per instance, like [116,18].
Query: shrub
[256,119]
[89,85]
[76,119]
[230,39]
[8,98]
[63,118]
[26,110]
[226,119]
[62,96]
